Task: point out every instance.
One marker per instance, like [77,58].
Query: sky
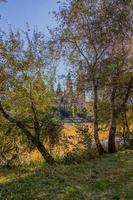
[34,12]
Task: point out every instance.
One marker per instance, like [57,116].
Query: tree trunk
[96,136]
[125,126]
[45,154]
[41,148]
[112,131]
[38,144]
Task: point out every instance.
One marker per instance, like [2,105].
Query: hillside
[106,178]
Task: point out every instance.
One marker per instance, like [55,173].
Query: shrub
[77,157]
[128,138]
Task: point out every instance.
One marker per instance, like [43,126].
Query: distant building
[72,101]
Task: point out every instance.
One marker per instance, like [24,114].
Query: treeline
[96,34]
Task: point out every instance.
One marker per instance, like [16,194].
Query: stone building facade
[71,100]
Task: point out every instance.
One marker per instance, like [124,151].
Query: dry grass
[70,139]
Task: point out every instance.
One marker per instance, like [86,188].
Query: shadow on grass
[108,178]
[41,184]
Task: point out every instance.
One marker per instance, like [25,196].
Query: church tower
[69,84]
[59,91]
[81,88]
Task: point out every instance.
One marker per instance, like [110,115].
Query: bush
[86,153]
[77,157]
[86,136]
[128,138]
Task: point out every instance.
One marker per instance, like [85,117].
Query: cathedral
[71,101]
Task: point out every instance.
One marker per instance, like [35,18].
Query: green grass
[109,177]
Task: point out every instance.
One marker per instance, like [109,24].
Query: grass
[105,178]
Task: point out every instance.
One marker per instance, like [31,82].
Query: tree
[27,97]
[13,149]
[119,101]
[95,32]
[118,60]
[81,40]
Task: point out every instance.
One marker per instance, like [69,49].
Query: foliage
[98,36]
[27,96]
[52,127]
[87,137]
[128,139]
[13,151]
[79,156]
[82,113]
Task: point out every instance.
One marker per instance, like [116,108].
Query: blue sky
[36,12]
